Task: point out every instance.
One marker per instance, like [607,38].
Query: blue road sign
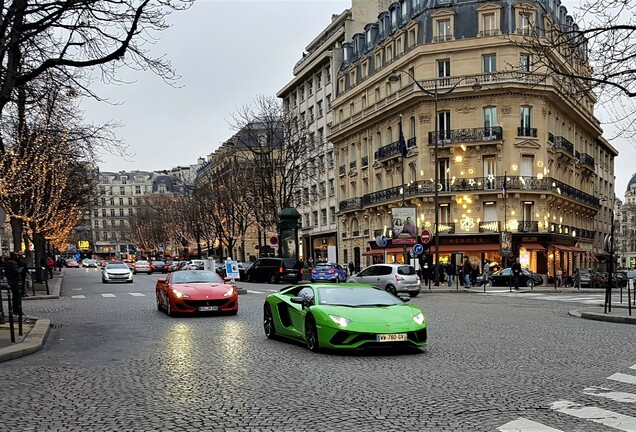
[418,249]
[77,256]
[161,246]
[381,241]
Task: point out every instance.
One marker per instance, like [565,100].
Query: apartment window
[377,94]
[340,115]
[319,109]
[323,217]
[310,87]
[389,135]
[328,102]
[525,64]
[112,212]
[364,102]
[443,27]
[488,24]
[330,159]
[102,190]
[302,94]
[489,62]
[294,99]
[443,68]
[104,223]
[490,171]
[378,61]
[332,187]
[323,190]
[378,140]
[527,213]
[526,121]
[444,214]
[130,212]
[412,126]
[97,236]
[412,38]
[327,76]
[103,201]
[352,109]
[95,213]
[314,215]
[121,212]
[137,189]
[365,69]
[332,215]
[122,191]
[96,224]
[112,223]
[130,201]
[314,191]
[490,120]
[311,114]
[443,124]
[112,201]
[490,212]
[378,182]
[365,186]
[525,23]
[121,201]
[103,212]
[318,81]
[105,234]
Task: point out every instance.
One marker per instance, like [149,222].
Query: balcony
[491,32]
[377,232]
[442,38]
[364,162]
[355,233]
[342,170]
[528,227]
[350,204]
[560,143]
[411,142]
[353,167]
[527,132]
[343,234]
[388,152]
[366,232]
[587,161]
[460,136]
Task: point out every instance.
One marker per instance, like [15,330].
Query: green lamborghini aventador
[343,316]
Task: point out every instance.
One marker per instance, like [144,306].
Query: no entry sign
[426,236]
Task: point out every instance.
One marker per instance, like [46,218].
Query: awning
[390,250]
[591,256]
[569,248]
[532,246]
[465,248]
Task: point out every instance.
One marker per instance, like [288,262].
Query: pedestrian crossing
[588,412]
[591,299]
[261,292]
[110,295]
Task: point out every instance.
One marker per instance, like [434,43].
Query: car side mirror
[161,280]
[227,279]
[298,300]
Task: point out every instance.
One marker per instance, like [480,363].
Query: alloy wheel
[268,322]
[311,334]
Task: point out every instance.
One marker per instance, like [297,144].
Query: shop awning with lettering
[532,246]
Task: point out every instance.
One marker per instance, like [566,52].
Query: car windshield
[356,297]
[116,266]
[323,267]
[195,276]
[142,263]
[158,263]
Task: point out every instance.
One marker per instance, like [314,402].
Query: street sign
[418,249]
[381,241]
[426,237]
[77,256]
[161,246]
[232,270]
[273,241]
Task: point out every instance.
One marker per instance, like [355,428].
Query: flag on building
[402,141]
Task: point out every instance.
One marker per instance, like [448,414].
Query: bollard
[10,307]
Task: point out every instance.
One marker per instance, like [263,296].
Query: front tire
[311,334]
[391,289]
[104,281]
[169,307]
[530,283]
[268,322]
[159,308]
[273,279]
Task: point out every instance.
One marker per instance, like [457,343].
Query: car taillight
[280,269]
[313,271]
[398,278]
[331,271]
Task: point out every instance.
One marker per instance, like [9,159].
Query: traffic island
[34,334]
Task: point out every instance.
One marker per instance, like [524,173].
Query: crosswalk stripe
[270,290]
[633,367]
[524,425]
[108,295]
[137,294]
[629,379]
[78,296]
[254,292]
[77,289]
[607,393]
[597,415]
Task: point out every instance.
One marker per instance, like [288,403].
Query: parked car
[116,272]
[274,270]
[142,266]
[503,277]
[585,277]
[72,263]
[195,264]
[243,266]
[158,266]
[328,272]
[195,291]
[394,278]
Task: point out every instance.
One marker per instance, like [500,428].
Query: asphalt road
[495,362]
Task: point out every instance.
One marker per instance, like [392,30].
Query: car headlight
[229,292]
[419,318]
[179,294]
[341,321]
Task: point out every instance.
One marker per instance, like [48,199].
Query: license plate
[208,308]
[396,337]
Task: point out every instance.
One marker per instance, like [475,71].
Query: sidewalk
[34,330]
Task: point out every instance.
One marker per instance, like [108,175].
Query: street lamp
[435,94]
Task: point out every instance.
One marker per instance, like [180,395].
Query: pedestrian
[466,270]
[13,273]
[426,273]
[49,266]
[516,273]
[576,281]
[351,268]
[450,273]
[559,277]
[485,274]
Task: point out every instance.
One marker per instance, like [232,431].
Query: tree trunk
[16,232]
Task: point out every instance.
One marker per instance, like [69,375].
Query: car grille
[198,303]
[341,336]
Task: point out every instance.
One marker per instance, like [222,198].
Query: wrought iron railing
[353,165]
[388,151]
[587,160]
[411,142]
[494,133]
[342,170]
[364,162]
[561,143]
[528,226]
[350,204]
[356,233]
[527,132]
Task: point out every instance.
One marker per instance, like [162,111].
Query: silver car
[394,278]
[116,272]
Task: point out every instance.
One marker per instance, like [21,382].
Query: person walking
[516,273]
[49,266]
[466,270]
[576,281]
[485,274]
[559,277]
[450,273]
[13,273]
[351,268]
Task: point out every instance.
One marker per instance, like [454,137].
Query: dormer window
[369,40]
[443,27]
[394,18]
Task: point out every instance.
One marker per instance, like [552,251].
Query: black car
[503,277]
[159,266]
[274,270]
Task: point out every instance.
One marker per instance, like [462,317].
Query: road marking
[254,292]
[108,295]
[270,290]
[77,289]
[78,296]
[607,393]
[597,415]
[524,425]
[633,367]
[629,379]
[137,294]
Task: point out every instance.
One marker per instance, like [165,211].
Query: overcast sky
[226,52]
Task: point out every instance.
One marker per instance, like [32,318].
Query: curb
[610,318]
[33,341]
[55,289]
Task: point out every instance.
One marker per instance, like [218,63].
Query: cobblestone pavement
[114,363]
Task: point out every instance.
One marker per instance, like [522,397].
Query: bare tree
[279,151]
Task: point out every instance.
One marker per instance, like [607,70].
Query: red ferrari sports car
[192,291]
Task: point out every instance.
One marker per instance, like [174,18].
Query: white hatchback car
[394,278]
[116,272]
